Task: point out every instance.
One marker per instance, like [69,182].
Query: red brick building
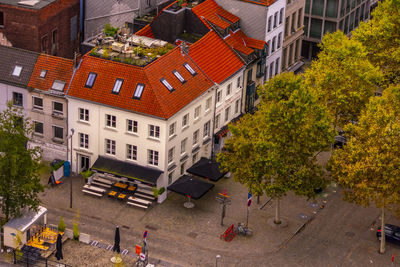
[50,27]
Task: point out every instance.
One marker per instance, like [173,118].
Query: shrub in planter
[162,190]
[87,174]
[76,231]
[155,192]
[61,225]
[56,166]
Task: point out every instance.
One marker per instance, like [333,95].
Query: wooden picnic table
[120,185]
[121,196]
[112,194]
[140,200]
[94,188]
[132,188]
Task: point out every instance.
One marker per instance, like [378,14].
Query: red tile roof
[212,12]
[215,57]
[260,2]
[240,42]
[156,100]
[57,68]
[146,31]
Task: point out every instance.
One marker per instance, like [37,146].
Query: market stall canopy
[206,168]
[126,169]
[190,186]
[26,219]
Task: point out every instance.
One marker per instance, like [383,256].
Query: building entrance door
[84,163]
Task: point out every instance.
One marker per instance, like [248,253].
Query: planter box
[58,173]
[162,197]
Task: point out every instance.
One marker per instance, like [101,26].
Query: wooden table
[94,188]
[112,194]
[131,188]
[121,196]
[145,202]
[120,185]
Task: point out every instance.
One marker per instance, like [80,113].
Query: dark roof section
[30,4]
[127,169]
[206,168]
[190,186]
[10,57]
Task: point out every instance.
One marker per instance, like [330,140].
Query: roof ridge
[51,56]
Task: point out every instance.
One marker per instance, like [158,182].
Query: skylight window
[117,86]
[179,76]
[190,69]
[138,91]
[166,84]
[58,85]
[43,73]
[17,71]
[90,80]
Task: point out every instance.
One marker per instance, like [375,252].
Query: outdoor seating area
[134,194]
[42,238]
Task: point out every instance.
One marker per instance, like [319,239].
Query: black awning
[206,168]
[127,169]
[190,186]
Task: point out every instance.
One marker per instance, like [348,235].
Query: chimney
[184,48]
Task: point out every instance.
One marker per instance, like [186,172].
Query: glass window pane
[343,8]
[346,25]
[329,26]
[351,24]
[318,7]
[306,26]
[331,8]
[356,20]
[307,7]
[316,28]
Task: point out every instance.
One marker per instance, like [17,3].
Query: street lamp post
[70,170]
[216,260]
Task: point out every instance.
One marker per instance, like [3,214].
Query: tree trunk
[277,219]
[382,247]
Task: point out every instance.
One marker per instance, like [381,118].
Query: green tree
[368,167]
[381,38]
[343,77]
[19,166]
[273,151]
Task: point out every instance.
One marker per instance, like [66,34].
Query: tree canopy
[274,150]
[381,38]
[342,77]
[368,167]
[19,166]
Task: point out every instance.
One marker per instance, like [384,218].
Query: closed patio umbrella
[116,241]
[59,254]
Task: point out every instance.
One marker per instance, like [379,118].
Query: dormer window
[190,69]
[166,84]
[138,91]
[117,86]
[17,71]
[235,26]
[179,76]
[90,80]
[43,73]
[58,85]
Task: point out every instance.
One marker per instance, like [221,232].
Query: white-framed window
[206,129]
[183,145]
[273,44]
[111,121]
[58,85]
[172,129]
[170,177]
[276,19]
[279,40]
[268,46]
[131,152]
[280,16]
[58,132]
[219,96]
[277,66]
[138,91]
[227,113]
[171,154]
[197,112]
[196,137]
[152,157]
[43,73]
[208,103]
[38,127]
[185,120]
[183,168]
[132,126]
[110,147]
[37,102]
[154,131]
[229,89]
[179,76]
[58,108]
[17,99]
[269,23]
[83,140]
[83,114]
[117,86]
[17,71]
[217,118]
[237,104]
[238,85]
[271,70]
[195,157]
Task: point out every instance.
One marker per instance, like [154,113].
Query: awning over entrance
[190,186]
[206,168]
[127,169]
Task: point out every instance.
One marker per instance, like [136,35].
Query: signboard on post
[138,249]
[249,197]
[144,234]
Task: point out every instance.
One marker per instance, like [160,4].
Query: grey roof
[11,57]
[30,4]
[26,220]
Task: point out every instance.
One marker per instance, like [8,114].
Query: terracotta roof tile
[212,12]
[260,2]
[214,56]
[146,31]
[240,42]
[57,68]
[156,99]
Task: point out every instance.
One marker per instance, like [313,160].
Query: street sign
[142,257]
[249,197]
[138,249]
[145,234]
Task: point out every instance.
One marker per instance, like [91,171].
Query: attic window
[166,84]
[17,71]
[190,69]
[58,85]
[43,73]
[117,86]
[138,91]
[179,76]
[90,80]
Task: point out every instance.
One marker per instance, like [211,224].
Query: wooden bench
[140,201]
[95,189]
[101,184]
[92,193]
[101,180]
[147,197]
[136,205]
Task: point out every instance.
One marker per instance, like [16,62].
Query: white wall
[7,95]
